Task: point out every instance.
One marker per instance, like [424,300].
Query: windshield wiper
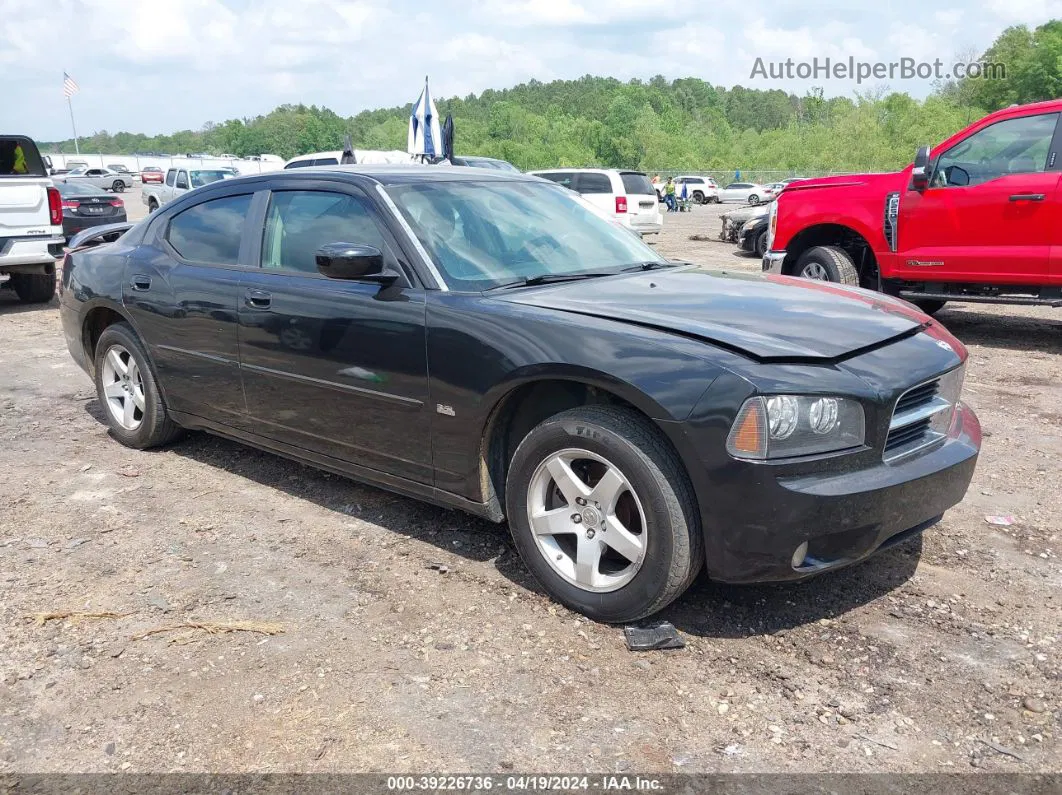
[549,278]
[651,265]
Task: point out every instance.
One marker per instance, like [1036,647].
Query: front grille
[919,420]
[892,219]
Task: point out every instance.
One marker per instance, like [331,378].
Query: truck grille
[892,218]
[922,415]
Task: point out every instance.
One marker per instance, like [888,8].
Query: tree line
[654,125]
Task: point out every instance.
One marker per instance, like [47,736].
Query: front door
[990,212]
[329,365]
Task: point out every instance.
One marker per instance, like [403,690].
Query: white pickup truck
[181,180]
[31,221]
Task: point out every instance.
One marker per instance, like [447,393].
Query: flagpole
[69,104]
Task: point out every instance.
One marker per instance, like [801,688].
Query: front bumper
[772,261]
[752,532]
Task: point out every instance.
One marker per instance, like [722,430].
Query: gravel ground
[410,638]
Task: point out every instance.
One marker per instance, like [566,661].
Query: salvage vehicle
[753,235]
[31,221]
[481,340]
[733,221]
[975,219]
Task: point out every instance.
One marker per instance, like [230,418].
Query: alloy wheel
[123,387]
[814,270]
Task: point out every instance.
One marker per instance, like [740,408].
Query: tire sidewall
[122,334]
[659,534]
[819,259]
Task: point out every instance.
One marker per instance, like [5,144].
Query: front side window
[485,234]
[326,161]
[560,177]
[299,222]
[210,232]
[1013,146]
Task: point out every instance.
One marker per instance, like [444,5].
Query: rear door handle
[258,299]
[1028,197]
[141,282]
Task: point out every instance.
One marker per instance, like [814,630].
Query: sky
[157,66]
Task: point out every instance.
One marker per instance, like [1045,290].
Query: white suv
[702,190]
[31,221]
[627,196]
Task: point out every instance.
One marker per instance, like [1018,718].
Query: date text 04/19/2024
[523,783]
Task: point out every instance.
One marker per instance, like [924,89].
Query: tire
[655,495]
[150,424]
[760,246]
[118,186]
[34,288]
[828,264]
[928,306]
[698,197]
[754,199]
[152,205]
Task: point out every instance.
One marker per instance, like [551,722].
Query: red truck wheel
[827,264]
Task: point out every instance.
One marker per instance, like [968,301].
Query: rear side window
[210,232]
[326,161]
[171,175]
[19,157]
[560,177]
[637,184]
[299,164]
[598,183]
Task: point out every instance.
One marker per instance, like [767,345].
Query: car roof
[413,173]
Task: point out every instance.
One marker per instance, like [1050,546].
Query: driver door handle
[258,299]
[1027,197]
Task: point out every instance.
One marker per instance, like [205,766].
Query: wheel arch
[853,240]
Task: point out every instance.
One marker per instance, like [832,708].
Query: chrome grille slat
[910,428]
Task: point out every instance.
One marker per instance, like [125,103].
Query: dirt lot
[934,656]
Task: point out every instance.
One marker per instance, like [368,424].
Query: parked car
[481,340]
[120,169]
[701,190]
[31,221]
[753,235]
[974,219]
[627,195]
[745,192]
[85,206]
[733,221]
[102,178]
[484,162]
[151,174]
[179,181]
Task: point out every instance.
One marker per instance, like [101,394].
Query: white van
[627,196]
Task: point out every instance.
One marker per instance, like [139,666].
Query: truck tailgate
[24,205]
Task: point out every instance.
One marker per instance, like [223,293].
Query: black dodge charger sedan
[486,341]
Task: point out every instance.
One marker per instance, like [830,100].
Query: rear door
[991,212]
[596,188]
[24,184]
[642,204]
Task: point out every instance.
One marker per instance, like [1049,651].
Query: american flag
[69,86]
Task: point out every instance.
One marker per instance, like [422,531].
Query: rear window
[596,183]
[19,157]
[637,184]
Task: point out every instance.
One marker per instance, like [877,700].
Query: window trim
[1049,166]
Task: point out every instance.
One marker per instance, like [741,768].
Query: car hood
[766,317]
[868,181]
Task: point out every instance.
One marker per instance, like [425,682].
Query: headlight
[783,426]
[772,224]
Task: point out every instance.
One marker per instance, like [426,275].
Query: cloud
[159,66]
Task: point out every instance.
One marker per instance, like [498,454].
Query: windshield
[201,178]
[485,234]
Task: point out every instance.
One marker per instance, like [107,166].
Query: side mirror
[920,172]
[353,262]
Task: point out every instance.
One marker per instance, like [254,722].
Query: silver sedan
[103,178]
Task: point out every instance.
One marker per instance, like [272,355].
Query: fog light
[799,555]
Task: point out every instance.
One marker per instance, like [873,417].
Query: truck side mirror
[920,172]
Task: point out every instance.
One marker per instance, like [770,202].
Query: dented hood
[770,318]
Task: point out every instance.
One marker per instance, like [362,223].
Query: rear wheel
[603,513]
[118,186]
[152,205]
[127,390]
[754,199]
[33,288]
[698,197]
[827,264]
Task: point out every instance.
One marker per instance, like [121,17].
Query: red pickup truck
[976,219]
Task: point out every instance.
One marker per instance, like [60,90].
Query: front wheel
[118,186]
[127,390]
[602,512]
[827,264]
[152,205]
[761,244]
